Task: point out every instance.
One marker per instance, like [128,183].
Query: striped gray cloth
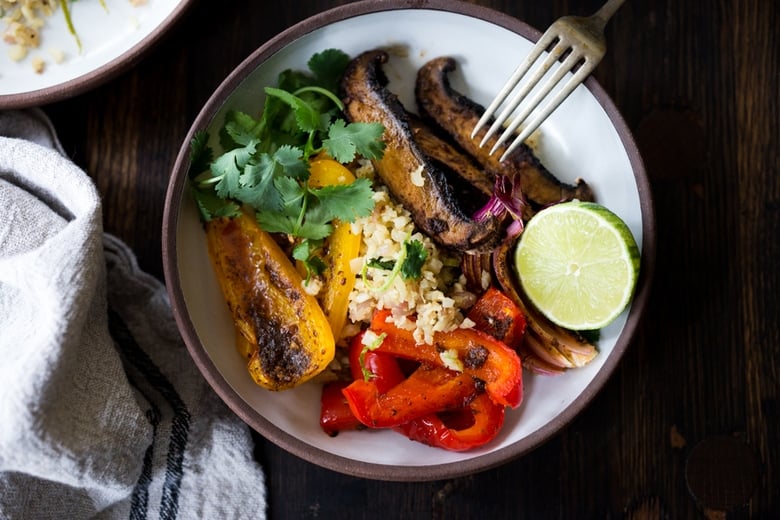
[102,412]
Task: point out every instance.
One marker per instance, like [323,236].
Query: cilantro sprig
[265,162]
[408,265]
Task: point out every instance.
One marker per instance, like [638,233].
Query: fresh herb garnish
[408,265]
[346,140]
[378,263]
[374,343]
[591,336]
[306,252]
[411,269]
[266,162]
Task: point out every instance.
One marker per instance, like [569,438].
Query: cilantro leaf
[267,158]
[346,140]
[257,187]
[409,264]
[277,124]
[345,202]
[274,222]
[293,80]
[200,153]
[293,197]
[378,263]
[248,176]
[305,252]
[290,159]
[228,168]
[315,265]
[285,222]
[328,66]
[211,206]
[314,229]
[241,128]
[286,218]
[309,213]
[306,117]
[416,254]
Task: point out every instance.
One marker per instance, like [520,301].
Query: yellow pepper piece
[243,345]
[327,172]
[341,247]
[290,339]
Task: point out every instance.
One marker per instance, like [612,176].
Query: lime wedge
[578,264]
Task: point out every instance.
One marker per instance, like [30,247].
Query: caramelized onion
[534,364]
[477,269]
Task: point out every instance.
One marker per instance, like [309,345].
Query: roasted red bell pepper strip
[427,390]
[482,417]
[382,369]
[496,314]
[335,415]
[482,356]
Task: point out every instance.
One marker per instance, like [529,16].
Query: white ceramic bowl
[585,138]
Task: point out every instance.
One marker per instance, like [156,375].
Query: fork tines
[558,47]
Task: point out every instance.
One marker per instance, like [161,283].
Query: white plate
[111,40]
[585,138]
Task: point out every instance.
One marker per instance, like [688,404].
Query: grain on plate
[435,302]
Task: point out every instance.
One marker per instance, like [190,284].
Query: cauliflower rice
[434,302]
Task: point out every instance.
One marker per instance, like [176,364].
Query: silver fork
[579,41]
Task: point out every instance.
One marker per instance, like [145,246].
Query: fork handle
[607,10]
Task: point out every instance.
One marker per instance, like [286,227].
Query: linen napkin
[103,414]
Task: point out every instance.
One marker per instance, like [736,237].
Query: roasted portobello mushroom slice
[457,115]
[410,175]
[441,151]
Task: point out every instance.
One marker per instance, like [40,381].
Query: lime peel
[578,264]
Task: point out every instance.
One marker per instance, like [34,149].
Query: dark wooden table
[697,392]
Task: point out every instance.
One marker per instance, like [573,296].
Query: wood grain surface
[697,82]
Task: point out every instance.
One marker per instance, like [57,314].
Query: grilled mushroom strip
[457,115]
[442,151]
[411,176]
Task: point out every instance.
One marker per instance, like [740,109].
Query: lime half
[578,263]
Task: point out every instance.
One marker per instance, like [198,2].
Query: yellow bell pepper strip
[481,356]
[243,346]
[324,171]
[341,247]
[290,338]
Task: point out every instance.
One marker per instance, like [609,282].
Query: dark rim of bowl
[98,76]
[300,448]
